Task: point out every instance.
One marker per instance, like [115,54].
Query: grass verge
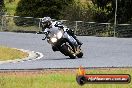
[11,54]
[57,79]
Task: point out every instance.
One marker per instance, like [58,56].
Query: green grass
[63,79]
[11,54]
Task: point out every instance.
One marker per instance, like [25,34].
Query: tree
[1,3]
[124,10]
[79,11]
[101,3]
[41,8]
[124,13]
[103,10]
[1,7]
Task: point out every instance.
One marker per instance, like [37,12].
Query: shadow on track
[61,59]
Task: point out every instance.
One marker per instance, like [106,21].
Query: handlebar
[46,33]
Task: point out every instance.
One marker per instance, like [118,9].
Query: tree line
[90,10]
[1,7]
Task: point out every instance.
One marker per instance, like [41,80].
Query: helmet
[45,22]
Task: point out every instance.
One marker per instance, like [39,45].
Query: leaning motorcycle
[59,43]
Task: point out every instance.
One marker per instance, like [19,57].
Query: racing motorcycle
[59,43]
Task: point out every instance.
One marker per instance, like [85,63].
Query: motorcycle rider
[47,25]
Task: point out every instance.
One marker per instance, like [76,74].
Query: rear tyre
[80,55]
[66,50]
[72,56]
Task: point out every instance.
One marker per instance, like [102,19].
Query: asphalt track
[98,52]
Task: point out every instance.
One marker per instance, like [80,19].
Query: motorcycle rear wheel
[80,55]
[68,52]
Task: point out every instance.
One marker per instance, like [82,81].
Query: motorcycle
[59,43]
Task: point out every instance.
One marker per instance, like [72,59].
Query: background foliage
[124,10]
[86,10]
[1,7]
[41,8]
[99,11]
